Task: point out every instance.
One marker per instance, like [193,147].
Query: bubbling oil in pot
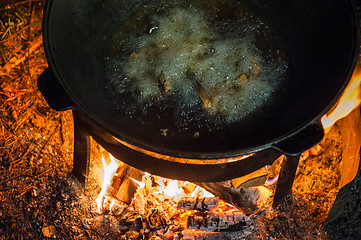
[201,61]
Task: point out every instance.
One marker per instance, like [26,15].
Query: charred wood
[200,204]
[245,199]
[214,222]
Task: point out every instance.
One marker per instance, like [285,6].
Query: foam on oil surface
[212,66]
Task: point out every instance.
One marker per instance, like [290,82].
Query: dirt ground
[38,197]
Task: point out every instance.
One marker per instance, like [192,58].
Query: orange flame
[171,189]
[139,183]
[109,170]
[349,100]
[174,189]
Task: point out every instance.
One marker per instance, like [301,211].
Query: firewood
[195,203]
[121,186]
[245,199]
[156,209]
[257,178]
[157,218]
[213,222]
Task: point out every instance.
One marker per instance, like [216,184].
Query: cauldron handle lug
[53,91]
[302,140]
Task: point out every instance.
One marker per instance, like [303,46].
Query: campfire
[41,197]
[166,204]
[180,209]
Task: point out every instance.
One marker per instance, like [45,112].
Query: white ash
[194,58]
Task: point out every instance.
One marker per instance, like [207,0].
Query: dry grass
[24,114]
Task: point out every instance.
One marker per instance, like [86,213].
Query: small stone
[316,150]
[132,235]
[65,196]
[304,155]
[49,231]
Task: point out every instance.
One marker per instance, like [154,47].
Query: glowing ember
[109,170]
[165,188]
[172,205]
[350,99]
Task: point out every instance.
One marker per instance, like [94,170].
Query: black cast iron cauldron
[318,37]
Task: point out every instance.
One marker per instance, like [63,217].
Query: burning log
[214,222]
[122,187]
[257,178]
[118,185]
[244,192]
[246,199]
[200,204]
[153,206]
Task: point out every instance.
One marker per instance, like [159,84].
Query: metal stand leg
[81,150]
[285,180]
